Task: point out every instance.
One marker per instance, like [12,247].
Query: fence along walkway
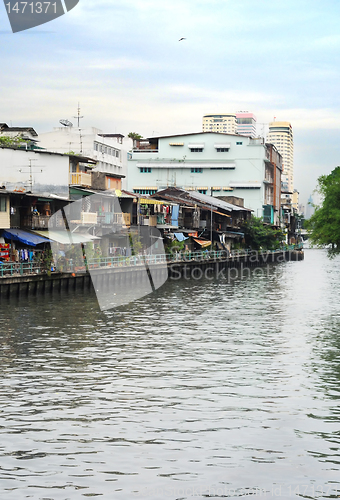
[31,268]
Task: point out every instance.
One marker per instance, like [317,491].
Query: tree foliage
[324,225]
[134,136]
[261,236]
[10,142]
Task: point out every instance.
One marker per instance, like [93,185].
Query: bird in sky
[182,39]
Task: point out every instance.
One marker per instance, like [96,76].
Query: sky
[124,64]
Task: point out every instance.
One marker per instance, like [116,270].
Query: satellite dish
[66,123]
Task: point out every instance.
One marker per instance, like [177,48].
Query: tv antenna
[31,172]
[78,115]
[66,123]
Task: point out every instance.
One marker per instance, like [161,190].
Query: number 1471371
[32,7]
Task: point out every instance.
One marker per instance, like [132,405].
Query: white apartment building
[211,163]
[281,135]
[220,123]
[109,150]
[246,123]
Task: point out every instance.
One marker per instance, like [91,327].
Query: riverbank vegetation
[324,225]
[259,236]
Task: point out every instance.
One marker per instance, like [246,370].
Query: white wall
[82,141]
[242,167]
[49,173]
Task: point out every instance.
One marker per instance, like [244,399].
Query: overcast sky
[123,62]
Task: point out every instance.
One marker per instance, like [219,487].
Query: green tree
[10,142]
[134,136]
[135,243]
[261,236]
[324,225]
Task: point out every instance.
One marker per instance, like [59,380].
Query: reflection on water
[203,389]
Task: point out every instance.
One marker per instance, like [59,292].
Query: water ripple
[203,389]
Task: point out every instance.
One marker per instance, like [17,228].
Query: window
[196,150]
[197,170]
[117,154]
[3,204]
[222,150]
[145,170]
[202,191]
[145,191]
[238,143]
[95,146]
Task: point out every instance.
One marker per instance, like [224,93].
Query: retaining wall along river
[193,265]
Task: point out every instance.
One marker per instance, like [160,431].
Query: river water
[204,389]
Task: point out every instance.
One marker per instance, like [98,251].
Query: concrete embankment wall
[39,284]
[28,285]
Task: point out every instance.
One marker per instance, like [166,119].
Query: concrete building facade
[109,150]
[210,163]
[34,171]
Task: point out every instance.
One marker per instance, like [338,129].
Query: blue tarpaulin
[180,236]
[24,237]
[174,215]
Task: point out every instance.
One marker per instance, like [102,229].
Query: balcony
[36,221]
[88,217]
[123,219]
[80,179]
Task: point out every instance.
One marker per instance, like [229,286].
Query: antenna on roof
[66,123]
[78,115]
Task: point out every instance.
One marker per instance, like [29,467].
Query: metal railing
[70,266]
[20,268]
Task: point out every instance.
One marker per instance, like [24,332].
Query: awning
[203,243]
[180,236]
[246,185]
[68,238]
[24,237]
[152,201]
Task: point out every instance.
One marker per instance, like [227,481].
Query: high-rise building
[281,135]
[246,124]
[225,124]
[310,208]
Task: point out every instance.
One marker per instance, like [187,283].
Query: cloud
[327,42]
[120,63]
[310,119]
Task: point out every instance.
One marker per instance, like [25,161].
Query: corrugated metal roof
[215,202]
[194,133]
[181,196]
